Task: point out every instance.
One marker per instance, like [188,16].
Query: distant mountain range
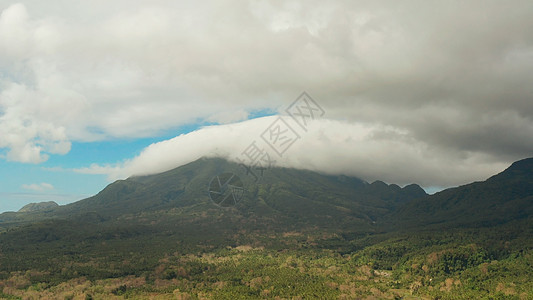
[502,198]
[284,199]
[303,198]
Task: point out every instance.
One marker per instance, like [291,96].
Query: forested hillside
[294,234]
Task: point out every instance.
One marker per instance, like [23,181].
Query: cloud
[228,117]
[336,147]
[38,187]
[451,78]
[96,169]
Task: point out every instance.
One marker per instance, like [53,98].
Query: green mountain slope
[505,197]
[282,191]
[290,196]
[173,208]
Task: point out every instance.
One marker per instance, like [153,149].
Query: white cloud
[338,147]
[26,134]
[417,75]
[38,187]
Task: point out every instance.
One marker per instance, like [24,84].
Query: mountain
[290,196]
[174,207]
[41,206]
[302,199]
[288,192]
[505,197]
[294,233]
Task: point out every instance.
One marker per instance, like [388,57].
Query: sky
[435,93]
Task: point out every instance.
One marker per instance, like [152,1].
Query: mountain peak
[32,207]
[524,165]
[520,169]
[415,190]
[502,198]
